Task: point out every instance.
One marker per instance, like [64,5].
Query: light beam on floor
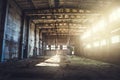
[53,61]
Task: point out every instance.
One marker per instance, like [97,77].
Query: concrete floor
[71,68]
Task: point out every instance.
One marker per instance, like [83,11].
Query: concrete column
[35,35]
[39,41]
[35,42]
[43,44]
[26,53]
[3,20]
[21,46]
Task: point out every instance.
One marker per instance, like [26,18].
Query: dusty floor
[74,68]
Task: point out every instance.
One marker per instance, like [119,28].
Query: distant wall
[54,52]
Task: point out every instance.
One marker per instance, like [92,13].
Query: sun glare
[88,46]
[53,61]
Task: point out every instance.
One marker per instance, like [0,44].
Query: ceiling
[64,17]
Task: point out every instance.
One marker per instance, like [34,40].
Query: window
[64,47]
[58,48]
[52,47]
[115,15]
[88,46]
[47,47]
[115,39]
[96,44]
[103,42]
[41,44]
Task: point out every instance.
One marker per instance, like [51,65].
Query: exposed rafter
[31,3]
[53,16]
[60,10]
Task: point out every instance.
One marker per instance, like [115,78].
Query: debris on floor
[77,68]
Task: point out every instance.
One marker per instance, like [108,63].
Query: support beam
[61,24]
[20,55]
[17,5]
[27,39]
[4,11]
[64,12]
[31,3]
[60,17]
[39,41]
[35,32]
[59,10]
[56,3]
[43,44]
[35,42]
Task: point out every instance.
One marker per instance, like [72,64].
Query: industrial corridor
[59,39]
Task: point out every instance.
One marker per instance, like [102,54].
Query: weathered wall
[12,31]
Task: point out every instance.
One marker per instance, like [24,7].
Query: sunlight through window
[47,47]
[52,47]
[96,44]
[103,42]
[88,46]
[115,15]
[115,39]
[64,47]
[53,61]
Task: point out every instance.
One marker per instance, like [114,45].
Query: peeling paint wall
[12,32]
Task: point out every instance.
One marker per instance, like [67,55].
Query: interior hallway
[33,31]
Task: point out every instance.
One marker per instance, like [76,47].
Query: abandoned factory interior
[59,39]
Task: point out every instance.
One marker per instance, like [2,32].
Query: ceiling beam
[57,2]
[17,4]
[31,3]
[63,24]
[62,34]
[48,10]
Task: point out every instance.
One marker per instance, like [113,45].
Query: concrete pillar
[43,44]
[39,41]
[3,15]
[26,53]
[35,42]
[21,46]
